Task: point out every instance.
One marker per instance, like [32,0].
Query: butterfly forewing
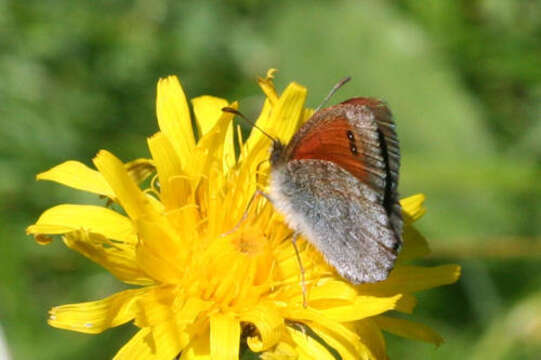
[327,141]
[349,135]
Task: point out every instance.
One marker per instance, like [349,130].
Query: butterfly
[336,183]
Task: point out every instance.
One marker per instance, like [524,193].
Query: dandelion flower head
[199,294]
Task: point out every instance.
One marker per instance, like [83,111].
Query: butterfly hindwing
[339,215]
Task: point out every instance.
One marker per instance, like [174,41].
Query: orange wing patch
[333,140]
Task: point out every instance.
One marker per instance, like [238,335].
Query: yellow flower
[199,293]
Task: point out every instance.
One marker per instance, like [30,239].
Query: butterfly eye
[350,135]
[353,148]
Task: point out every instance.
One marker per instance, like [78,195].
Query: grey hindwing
[342,217]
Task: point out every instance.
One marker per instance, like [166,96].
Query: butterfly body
[336,184]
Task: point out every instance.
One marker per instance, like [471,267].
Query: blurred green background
[463,78]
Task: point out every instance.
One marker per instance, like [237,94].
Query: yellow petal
[65,218]
[210,148]
[162,304]
[310,317]
[413,208]
[140,347]
[229,155]
[280,121]
[158,309]
[169,242]
[78,176]
[198,349]
[96,316]
[173,194]
[266,84]
[308,347]
[132,199]
[169,339]
[192,309]
[331,290]
[338,337]
[408,329]
[416,278]
[286,115]
[158,253]
[269,324]
[409,278]
[224,337]
[362,307]
[174,117]
[156,306]
[306,115]
[207,110]
[225,289]
[116,258]
[347,348]
[184,219]
[172,329]
[257,144]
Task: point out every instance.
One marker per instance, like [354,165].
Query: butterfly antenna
[238,113]
[333,90]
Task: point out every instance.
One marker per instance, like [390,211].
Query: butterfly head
[277,155]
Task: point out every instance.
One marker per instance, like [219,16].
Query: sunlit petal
[413,208]
[207,110]
[409,278]
[174,118]
[140,347]
[117,258]
[65,218]
[198,349]
[173,193]
[269,324]
[224,337]
[79,176]
[96,316]
[129,195]
[362,307]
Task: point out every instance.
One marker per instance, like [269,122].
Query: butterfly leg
[245,214]
[297,253]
